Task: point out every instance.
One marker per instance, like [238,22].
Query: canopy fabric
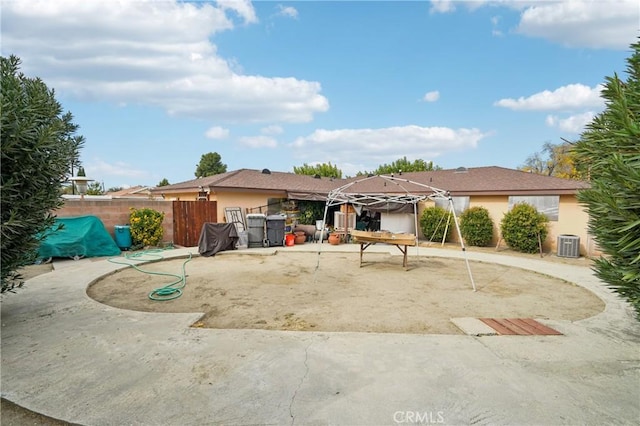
[306,196]
[82,236]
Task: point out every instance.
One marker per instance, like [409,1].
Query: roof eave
[516,192]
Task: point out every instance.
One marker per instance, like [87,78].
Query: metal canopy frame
[420,192]
[341,195]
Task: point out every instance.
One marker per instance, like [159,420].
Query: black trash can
[275,230]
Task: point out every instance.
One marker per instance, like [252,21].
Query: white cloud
[495,21]
[570,97]
[442,6]
[572,124]
[243,8]
[154,53]
[287,11]
[431,96]
[97,167]
[380,146]
[599,24]
[583,23]
[272,130]
[258,141]
[217,132]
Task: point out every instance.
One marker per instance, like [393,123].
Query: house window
[460,204]
[548,205]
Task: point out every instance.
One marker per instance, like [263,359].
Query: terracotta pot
[301,237]
[334,239]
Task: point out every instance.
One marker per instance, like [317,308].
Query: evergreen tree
[609,153]
[210,164]
[38,145]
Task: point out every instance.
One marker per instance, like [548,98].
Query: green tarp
[82,236]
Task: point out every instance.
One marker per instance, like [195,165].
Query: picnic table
[369,238]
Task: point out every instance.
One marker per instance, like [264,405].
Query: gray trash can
[275,230]
[256,230]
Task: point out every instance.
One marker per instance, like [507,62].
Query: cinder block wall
[114,212]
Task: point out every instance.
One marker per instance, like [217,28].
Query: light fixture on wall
[81,182]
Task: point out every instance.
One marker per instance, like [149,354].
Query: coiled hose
[168,292]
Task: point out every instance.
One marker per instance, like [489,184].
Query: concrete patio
[72,358]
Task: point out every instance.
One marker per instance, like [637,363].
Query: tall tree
[609,150]
[554,160]
[210,164]
[163,182]
[323,170]
[403,165]
[38,145]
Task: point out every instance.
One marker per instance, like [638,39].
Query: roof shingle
[472,181]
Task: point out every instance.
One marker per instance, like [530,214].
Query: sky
[154,85]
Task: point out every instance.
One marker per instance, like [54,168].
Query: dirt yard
[286,291]
[331,292]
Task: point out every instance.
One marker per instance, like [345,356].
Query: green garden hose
[168,292]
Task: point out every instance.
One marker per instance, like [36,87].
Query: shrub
[310,211]
[146,227]
[433,223]
[38,144]
[521,227]
[476,226]
[609,151]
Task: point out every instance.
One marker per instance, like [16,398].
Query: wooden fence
[188,218]
[182,223]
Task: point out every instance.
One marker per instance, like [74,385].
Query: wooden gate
[188,218]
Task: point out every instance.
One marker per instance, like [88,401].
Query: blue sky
[154,85]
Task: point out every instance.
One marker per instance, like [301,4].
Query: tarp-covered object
[215,237]
[82,236]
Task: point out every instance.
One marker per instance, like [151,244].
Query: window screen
[545,204]
[460,204]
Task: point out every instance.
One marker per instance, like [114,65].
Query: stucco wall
[114,212]
[244,200]
[572,220]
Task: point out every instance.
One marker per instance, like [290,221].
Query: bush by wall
[522,226]
[433,223]
[146,227]
[476,226]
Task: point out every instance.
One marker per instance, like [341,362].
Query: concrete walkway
[72,358]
